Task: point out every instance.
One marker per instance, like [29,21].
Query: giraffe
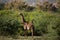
[27,25]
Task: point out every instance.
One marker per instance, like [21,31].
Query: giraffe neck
[23,20]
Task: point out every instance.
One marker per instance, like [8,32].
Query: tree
[58,3]
[7,5]
[9,25]
[46,5]
[14,4]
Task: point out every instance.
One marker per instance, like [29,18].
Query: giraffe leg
[32,33]
[25,32]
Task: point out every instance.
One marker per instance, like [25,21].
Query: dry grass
[26,38]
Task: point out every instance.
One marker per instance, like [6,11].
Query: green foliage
[44,22]
[9,24]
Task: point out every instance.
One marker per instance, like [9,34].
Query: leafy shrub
[44,22]
[9,24]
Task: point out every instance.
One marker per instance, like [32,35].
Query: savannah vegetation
[46,19]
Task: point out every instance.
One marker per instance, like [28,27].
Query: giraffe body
[27,25]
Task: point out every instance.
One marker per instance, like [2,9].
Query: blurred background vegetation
[46,19]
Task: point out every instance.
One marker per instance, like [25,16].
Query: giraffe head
[21,14]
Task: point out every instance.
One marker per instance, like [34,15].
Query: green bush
[44,22]
[9,24]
